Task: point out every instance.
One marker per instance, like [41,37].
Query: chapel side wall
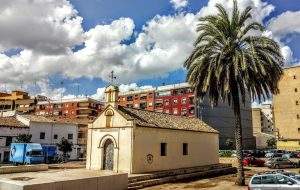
[202,149]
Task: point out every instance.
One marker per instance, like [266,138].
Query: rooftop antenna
[112,78]
[61,94]
[21,83]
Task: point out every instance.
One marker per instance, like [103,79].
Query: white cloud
[48,27]
[177,4]
[99,95]
[286,23]
[260,9]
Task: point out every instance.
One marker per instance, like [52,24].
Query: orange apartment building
[17,100]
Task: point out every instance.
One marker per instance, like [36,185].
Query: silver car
[273,182]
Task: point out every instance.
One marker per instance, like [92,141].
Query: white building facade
[50,132]
[10,128]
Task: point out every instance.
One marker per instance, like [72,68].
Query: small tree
[229,144]
[23,138]
[271,143]
[65,147]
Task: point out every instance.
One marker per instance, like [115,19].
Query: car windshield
[268,179]
[256,180]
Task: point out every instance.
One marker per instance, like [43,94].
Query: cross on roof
[112,77]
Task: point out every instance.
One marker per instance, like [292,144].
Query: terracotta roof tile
[144,118]
[10,122]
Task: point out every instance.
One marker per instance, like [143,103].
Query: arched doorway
[108,155]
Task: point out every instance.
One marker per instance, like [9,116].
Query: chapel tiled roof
[145,118]
[10,122]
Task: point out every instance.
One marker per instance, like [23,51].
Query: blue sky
[99,29]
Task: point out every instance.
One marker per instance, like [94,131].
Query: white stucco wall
[9,132]
[50,129]
[202,149]
[120,133]
[121,138]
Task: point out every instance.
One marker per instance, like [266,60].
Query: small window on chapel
[185,150]
[296,90]
[298,116]
[294,77]
[163,149]
[297,103]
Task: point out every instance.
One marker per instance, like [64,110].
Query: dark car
[281,163]
[258,153]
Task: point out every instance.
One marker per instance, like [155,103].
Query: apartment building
[287,109]
[263,124]
[19,101]
[178,99]
[262,119]
[70,108]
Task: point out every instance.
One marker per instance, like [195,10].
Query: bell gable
[110,117]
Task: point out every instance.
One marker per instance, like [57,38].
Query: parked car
[273,182]
[280,163]
[252,161]
[274,154]
[258,153]
[296,177]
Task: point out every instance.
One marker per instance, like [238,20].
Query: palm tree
[228,64]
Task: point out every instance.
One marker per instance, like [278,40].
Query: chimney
[111,96]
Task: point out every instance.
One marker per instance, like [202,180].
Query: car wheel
[295,166]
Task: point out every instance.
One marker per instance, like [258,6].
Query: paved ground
[217,183]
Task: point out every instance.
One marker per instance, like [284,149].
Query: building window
[183,101]
[80,135]
[297,103]
[298,116]
[175,111]
[70,136]
[296,90]
[143,105]
[55,136]
[175,101]
[42,135]
[294,77]
[166,102]
[8,141]
[185,149]
[163,149]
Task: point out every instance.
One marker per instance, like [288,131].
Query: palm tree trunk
[240,180]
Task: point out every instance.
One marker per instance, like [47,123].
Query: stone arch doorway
[108,155]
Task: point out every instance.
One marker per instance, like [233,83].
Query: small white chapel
[139,141]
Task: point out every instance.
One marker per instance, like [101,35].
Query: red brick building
[80,108]
[174,99]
